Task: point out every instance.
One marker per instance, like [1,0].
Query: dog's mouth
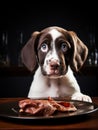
[54,71]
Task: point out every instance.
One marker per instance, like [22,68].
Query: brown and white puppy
[54,53]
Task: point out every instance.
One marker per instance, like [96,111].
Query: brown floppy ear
[28,54]
[80,52]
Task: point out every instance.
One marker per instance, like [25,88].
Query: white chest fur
[43,86]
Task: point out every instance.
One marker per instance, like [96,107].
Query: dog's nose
[54,64]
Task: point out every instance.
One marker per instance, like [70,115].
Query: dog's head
[54,49]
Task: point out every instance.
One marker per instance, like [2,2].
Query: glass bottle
[5,50]
[20,45]
[93,52]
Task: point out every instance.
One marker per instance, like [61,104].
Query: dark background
[27,17]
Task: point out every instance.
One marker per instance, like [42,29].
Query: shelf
[22,71]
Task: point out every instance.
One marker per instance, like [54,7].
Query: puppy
[54,54]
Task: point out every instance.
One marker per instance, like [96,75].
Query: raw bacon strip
[62,105]
[36,107]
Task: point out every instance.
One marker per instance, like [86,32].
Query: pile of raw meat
[44,107]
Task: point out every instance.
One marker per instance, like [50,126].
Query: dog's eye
[44,47]
[64,47]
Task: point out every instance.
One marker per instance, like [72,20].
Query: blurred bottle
[4,50]
[94,56]
[93,51]
[20,45]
